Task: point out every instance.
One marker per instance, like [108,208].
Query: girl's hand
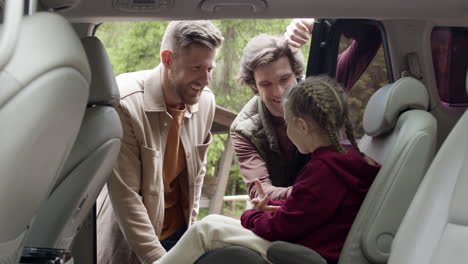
[298,33]
[261,202]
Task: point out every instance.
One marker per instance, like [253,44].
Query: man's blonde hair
[182,34]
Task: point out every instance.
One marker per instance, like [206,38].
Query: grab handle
[210,6]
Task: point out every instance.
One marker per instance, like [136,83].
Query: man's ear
[302,125]
[166,58]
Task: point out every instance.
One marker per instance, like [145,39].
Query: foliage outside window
[372,79]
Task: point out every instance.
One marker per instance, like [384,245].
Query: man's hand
[298,33]
[261,202]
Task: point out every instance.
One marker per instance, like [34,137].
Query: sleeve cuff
[154,255]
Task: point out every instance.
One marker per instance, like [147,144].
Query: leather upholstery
[435,228]
[104,88]
[43,94]
[383,110]
[90,162]
[403,141]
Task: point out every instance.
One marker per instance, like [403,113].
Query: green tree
[132,46]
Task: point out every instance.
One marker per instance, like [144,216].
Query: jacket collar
[153,97]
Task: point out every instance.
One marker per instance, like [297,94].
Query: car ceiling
[97,11]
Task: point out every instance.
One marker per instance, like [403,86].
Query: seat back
[90,163]
[401,135]
[44,86]
[435,228]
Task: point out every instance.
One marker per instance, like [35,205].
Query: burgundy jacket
[324,201]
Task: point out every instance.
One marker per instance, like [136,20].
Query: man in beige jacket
[166,115]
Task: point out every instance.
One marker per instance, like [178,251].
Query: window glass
[450,60]
[361,81]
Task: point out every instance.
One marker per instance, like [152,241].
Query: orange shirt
[174,175]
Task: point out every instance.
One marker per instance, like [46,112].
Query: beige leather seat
[44,88]
[401,135]
[90,162]
[435,228]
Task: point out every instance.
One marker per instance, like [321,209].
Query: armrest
[281,252]
[46,255]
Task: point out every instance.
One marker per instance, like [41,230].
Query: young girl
[326,195]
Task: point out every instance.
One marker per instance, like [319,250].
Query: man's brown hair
[264,49]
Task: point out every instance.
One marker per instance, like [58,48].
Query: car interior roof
[92,11]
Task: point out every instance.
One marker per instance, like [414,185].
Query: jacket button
[188,155]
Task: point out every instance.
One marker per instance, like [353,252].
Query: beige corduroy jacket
[135,187]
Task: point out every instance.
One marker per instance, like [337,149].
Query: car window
[374,77]
[450,60]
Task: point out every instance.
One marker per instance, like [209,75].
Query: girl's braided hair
[323,100]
